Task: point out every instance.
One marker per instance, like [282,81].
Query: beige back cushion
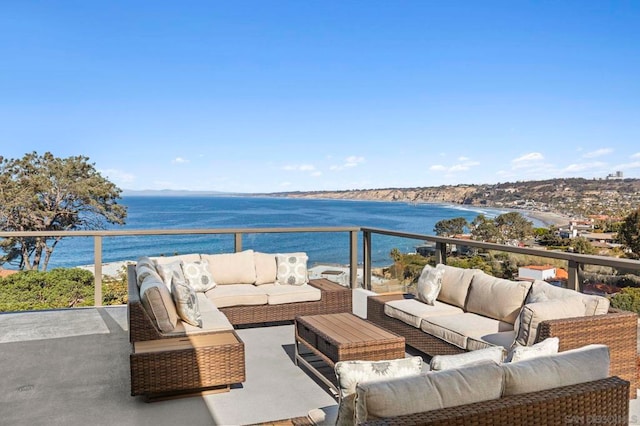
[496,298]
[455,285]
[533,314]
[266,268]
[232,268]
[158,303]
[428,391]
[594,305]
[567,368]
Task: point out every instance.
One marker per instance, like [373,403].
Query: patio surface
[71,367]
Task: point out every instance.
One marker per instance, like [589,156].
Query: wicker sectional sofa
[474,310]
[572,387]
[210,354]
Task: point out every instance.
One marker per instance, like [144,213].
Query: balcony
[71,366]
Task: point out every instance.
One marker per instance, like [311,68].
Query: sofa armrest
[617,329]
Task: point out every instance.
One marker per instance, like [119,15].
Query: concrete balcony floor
[71,367]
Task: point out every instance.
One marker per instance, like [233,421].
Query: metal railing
[575,261]
[238,234]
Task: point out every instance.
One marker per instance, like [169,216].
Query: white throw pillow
[430,283]
[186,302]
[168,270]
[292,268]
[197,275]
[548,346]
[350,373]
[494,354]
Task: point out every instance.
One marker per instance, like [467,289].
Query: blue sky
[269,96]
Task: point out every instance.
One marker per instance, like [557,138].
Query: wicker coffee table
[343,337]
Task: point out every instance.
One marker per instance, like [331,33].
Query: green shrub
[58,288]
[627,300]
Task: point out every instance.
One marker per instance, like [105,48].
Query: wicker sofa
[209,355]
[474,310]
[555,389]
[238,303]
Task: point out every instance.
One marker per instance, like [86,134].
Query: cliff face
[570,196]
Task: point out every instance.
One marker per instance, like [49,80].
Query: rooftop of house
[71,367]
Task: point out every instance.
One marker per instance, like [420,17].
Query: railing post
[573,281]
[441,253]
[97,270]
[238,242]
[366,260]
[353,254]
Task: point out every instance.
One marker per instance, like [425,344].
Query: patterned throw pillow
[197,275]
[292,268]
[169,270]
[186,302]
[430,283]
[350,373]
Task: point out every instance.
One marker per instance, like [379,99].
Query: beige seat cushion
[455,329]
[232,268]
[427,391]
[496,298]
[533,314]
[280,294]
[158,303]
[236,295]
[479,340]
[455,285]
[594,305]
[211,321]
[266,268]
[412,311]
[494,354]
[571,367]
[205,304]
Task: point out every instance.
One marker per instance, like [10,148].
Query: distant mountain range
[170,193]
[575,196]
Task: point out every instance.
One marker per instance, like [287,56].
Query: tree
[582,246]
[46,193]
[513,226]
[629,234]
[450,227]
[484,229]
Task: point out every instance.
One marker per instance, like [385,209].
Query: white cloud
[299,167]
[179,160]
[349,162]
[636,155]
[597,153]
[632,165]
[118,176]
[464,165]
[316,174]
[532,156]
[571,168]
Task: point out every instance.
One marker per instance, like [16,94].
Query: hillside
[575,197]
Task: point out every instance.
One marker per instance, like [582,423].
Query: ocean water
[189,212]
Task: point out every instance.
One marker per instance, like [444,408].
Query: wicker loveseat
[490,319]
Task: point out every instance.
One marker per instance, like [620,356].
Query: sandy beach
[548,218]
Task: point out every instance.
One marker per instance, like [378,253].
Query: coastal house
[535,272]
